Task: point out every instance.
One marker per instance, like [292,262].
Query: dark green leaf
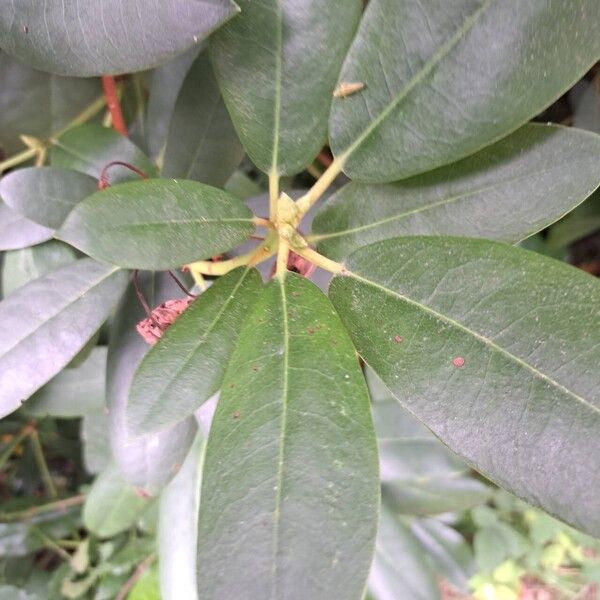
[507,192]
[22,266]
[38,104]
[499,355]
[46,195]
[46,322]
[186,367]
[290,485]
[151,461]
[18,232]
[277,63]
[202,143]
[400,568]
[73,392]
[178,527]
[164,90]
[89,148]
[443,80]
[157,223]
[107,36]
[113,505]
[583,221]
[419,475]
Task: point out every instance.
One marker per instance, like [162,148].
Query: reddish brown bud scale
[161,318]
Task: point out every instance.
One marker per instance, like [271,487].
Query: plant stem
[83,117]
[40,459]
[320,186]
[14,443]
[50,543]
[17,159]
[114,106]
[29,513]
[283,252]
[273,195]
[320,261]
[135,576]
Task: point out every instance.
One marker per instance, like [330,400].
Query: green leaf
[26,264]
[146,587]
[443,80]
[151,461]
[400,568]
[46,195]
[186,367]
[277,79]
[135,224]
[419,475]
[506,192]
[89,148]
[290,484]
[164,89]
[18,232]
[9,592]
[107,36]
[202,143]
[73,392]
[499,358]
[46,322]
[95,441]
[38,104]
[580,223]
[113,505]
[178,528]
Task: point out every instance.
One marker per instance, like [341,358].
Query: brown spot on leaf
[397,339]
[236,414]
[459,361]
[142,493]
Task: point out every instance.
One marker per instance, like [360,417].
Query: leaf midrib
[427,68]
[485,340]
[277,98]
[197,221]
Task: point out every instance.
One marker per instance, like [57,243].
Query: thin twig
[180,285]
[34,511]
[135,576]
[114,106]
[40,459]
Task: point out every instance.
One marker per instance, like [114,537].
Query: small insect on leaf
[346,88]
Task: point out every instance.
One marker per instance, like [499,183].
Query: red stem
[114,106]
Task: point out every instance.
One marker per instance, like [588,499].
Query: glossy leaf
[38,104]
[107,36]
[24,265]
[186,367]
[46,322]
[290,485]
[498,358]
[73,392]
[178,528]
[278,86]
[164,89]
[400,568]
[135,224]
[443,80]
[419,475]
[151,461]
[46,195]
[202,143]
[89,148]
[507,192]
[112,505]
[18,232]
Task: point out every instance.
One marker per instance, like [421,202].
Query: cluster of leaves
[493,348]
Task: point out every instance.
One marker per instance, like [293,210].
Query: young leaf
[148,462]
[107,36]
[46,322]
[89,148]
[202,143]
[18,232]
[112,505]
[26,264]
[73,392]
[419,475]
[278,86]
[46,195]
[436,89]
[38,104]
[186,367]
[290,484]
[499,358]
[400,568]
[135,224]
[178,528]
[507,192]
